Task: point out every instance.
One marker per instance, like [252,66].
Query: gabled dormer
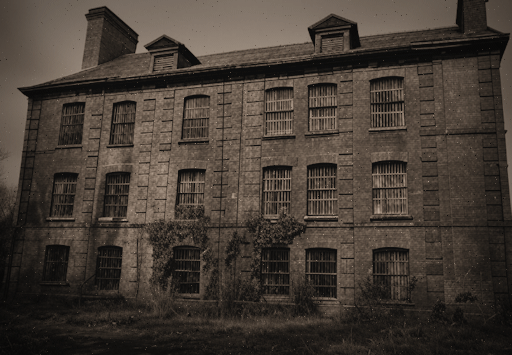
[168,54]
[334,34]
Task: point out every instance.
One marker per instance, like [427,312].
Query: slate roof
[137,65]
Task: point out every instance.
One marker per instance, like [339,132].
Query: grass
[119,326]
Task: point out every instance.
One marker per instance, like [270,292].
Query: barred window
[322,193]
[123,123]
[72,123]
[279,111]
[108,268]
[275,271]
[191,188]
[321,271]
[196,116]
[322,107]
[56,263]
[63,196]
[387,102]
[187,269]
[389,188]
[116,194]
[391,271]
[277,189]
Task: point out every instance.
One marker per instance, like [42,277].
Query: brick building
[391,148]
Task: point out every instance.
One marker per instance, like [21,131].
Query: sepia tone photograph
[255,177]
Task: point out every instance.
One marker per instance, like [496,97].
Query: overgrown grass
[45,327]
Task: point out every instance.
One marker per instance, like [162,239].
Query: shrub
[303,294]
[438,313]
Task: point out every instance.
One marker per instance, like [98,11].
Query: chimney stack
[471,16]
[107,38]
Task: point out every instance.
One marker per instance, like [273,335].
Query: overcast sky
[44,40]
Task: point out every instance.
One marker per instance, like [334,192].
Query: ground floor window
[187,267]
[391,271]
[56,263]
[108,270]
[275,271]
[321,271]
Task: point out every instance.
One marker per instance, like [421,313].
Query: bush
[438,313]
[162,302]
[303,294]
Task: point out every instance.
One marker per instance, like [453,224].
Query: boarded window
[322,193]
[72,123]
[387,102]
[191,188]
[332,43]
[322,107]
[196,116]
[116,194]
[123,123]
[108,268]
[389,188]
[275,271]
[163,62]
[321,271]
[63,196]
[277,189]
[279,111]
[391,271]
[56,263]
[187,269]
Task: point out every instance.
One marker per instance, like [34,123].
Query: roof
[137,65]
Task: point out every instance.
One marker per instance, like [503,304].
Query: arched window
[275,271]
[322,192]
[391,272]
[321,271]
[117,189]
[278,111]
[322,107]
[108,267]
[389,188]
[56,263]
[196,116]
[187,269]
[277,188]
[387,102]
[72,123]
[123,123]
[63,195]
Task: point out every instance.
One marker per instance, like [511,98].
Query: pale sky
[44,40]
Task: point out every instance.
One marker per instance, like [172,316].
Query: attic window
[332,43]
[163,62]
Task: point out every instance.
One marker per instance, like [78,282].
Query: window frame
[66,195]
[285,179]
[55,270]
[318,190]
[122,207]
[329,289]
[279,105]
[109,268]
[322,103]
[72,124]
[275,272]
[387,103]
[123,120]
[385,194]
[188,277]
[392,275]
[190,194]
[204,118]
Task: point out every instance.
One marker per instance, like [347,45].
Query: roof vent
[168,54]
[334,34]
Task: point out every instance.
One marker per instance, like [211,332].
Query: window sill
[68,146]
[54,283]
[188,296]
[396,303]
[283,136]
[320,218]
[390,217]
[379,129]
[194,141]
[60,219]
[119,145]
[112,219]
[322,133]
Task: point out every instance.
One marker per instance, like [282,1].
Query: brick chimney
[471,16]
[107,38]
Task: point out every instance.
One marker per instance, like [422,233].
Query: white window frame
[275,271]
[322,107]
[387,102]
[389,192]
[277,190]
[322,272]
[72,123]
[187,269]
[322,194]
[196,117]
[63,195]
[122,129]
[108,268]
[117,191]
[279,111]
[391,271]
